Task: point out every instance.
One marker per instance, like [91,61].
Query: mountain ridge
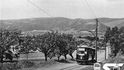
[60,23]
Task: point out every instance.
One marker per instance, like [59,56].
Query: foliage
[16,65]
[54,43]
[107,35]
[27,44]
[10,66]
[66,44]
[51,43]
[8,38]
[27,63]
[115,37]
[46,43]
[121,29]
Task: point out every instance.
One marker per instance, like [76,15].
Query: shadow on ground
[65,61]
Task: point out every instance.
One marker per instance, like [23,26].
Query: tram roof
[85,46]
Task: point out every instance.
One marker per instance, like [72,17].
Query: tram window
[81,49]
[81,52]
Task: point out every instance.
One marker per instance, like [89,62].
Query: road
[73,65]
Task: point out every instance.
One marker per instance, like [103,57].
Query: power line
[39,8]
[91,8]
[96,27]
[97,21]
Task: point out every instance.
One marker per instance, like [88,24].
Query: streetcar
[85,55]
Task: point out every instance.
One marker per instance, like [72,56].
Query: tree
[46,43]
[107,35]
[121,29]
[8,38]
[66,44]
[27,44]
[115,37]
[54,43]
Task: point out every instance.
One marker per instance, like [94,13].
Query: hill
[120,25]
[57,23]
[111,22]
[60,23]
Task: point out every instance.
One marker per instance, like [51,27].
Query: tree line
[115,36]
[51,44]
[55,44]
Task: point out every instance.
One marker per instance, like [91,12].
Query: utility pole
[96,37]
[105,50]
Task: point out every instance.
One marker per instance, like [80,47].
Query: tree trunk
[45,56]
[71,56]
[65,56]
[1,57]
[27,55]
[58,58]
[58,55]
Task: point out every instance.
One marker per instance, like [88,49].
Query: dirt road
[72,65]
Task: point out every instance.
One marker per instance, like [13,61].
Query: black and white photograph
[61,34]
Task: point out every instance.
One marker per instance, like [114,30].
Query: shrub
[10,66]
[27,63]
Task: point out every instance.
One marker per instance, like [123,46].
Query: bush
[16,66]
[10,66]
[27,63]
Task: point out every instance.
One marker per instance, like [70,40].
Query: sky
[19,9]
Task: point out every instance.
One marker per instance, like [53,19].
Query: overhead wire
[43,11]
[36,6]
[96,29]
[92,10]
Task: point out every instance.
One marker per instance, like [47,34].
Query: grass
[36,60]
[88,68]
[41,63]
[27,65]
[10,66]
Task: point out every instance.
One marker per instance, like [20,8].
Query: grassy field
[35,60]
[31,64]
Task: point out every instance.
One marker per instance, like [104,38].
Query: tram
[85,55]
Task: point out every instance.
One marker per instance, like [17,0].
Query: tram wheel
[78,62]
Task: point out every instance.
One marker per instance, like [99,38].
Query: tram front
[85,55]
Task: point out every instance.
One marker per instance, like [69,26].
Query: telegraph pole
[96,37]
[105,50]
